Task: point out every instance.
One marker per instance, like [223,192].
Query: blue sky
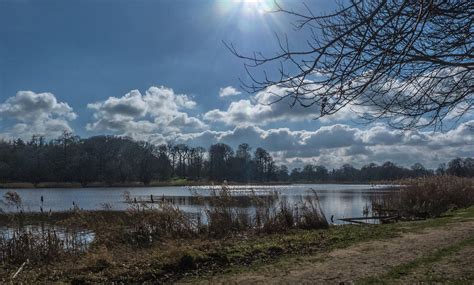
[70,64]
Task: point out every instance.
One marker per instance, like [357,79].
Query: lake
[338,200]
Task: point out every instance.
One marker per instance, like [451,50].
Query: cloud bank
[35,113]
[338,144]
[160,115]
[159,111]
[270,106]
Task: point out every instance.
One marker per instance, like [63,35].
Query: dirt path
[372,259]
[458,267]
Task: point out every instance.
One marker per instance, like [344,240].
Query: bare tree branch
[408,62]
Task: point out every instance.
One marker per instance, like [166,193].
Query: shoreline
[232,259]
[76,185]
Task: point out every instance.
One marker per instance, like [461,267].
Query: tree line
[114,159]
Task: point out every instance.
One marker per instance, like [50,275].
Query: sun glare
[247,14]
[254,6]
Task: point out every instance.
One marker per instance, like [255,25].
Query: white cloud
[228,91]
[338,144]
[36,114]
[270,106]
[159,110]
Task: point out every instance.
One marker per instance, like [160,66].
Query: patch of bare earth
[367,259]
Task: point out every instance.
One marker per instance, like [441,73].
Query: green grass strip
[403,269]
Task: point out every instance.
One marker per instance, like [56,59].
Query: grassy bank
[154,241]
[174,259]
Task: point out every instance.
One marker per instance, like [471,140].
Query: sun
[254,6]
[248,14]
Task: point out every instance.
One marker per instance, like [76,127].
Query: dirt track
[373,259]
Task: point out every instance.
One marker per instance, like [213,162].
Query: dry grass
[267,217]
[304,214]
[428,196]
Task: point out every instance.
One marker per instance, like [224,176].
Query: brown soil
[371,259]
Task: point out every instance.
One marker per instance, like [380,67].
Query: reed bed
[22,242]
[267,215]
[35,246]
[147,222]
[426,197]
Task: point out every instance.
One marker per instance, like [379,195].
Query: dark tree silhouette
[219,157]
[409,63]
[111,160]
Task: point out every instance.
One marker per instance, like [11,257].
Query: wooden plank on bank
[368,218]
[359,220]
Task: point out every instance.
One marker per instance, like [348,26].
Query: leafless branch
[407,62]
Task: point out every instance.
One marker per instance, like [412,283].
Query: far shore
[182,183]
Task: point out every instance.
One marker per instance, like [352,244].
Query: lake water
[338,200]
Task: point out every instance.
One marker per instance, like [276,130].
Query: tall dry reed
[427,197]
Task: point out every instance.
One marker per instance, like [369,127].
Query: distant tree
[264,165]
[182,152]
[281,173]
[196,162]
[243,163]
[469,166]
[461,167]
[321,173]
[308,173]
[390,170]
[295,174]
[148,163]
[418,170]
[346,173]
[370,172]
[165,168]
[113,159]
[219,157]
[441,170]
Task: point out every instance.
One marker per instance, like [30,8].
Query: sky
[159,71]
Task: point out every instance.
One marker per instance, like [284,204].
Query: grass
[401,270]
[300,243]
[173,259]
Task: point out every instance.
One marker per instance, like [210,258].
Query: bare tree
[407,62]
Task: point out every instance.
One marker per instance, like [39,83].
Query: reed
[427,197]
[148,222]
[43,242]
[267,215]
[223,218]
[304,214]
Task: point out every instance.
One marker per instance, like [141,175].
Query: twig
[20,269]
